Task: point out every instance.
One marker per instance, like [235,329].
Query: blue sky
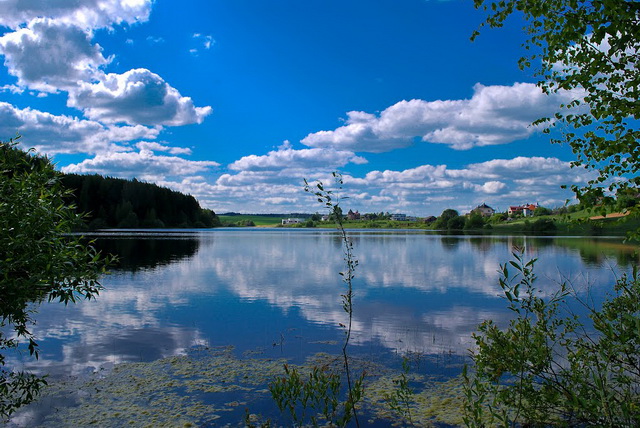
[237,101]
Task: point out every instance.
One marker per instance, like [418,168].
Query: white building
[291,221]
[484,210]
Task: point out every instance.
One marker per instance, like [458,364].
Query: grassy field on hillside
[578,223]
[242,219]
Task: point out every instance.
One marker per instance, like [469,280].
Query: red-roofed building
[526,210]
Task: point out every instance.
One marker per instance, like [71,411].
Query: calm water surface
[277,292]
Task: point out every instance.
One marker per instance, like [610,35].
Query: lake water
[275,294]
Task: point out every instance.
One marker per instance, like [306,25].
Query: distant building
[286,221]
[429,219]
[399,217]
[526,210]
[484,210]
[514,209]
[353,215]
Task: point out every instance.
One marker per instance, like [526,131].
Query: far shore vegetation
[107,202]
[568,220]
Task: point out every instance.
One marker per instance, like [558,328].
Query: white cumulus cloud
[157,147]
[287,157]
[50,56]
[493,115]
[492,187]
[52,134]
[144,164]
[84,13]
[51,50]
[136,97]
[270,182]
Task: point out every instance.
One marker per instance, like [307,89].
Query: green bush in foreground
[38,261]
[548,367]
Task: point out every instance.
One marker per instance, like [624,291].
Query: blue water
[254,287]
[277,292]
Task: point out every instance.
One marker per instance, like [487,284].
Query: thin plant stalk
[333,204]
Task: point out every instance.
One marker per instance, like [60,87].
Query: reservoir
[274,295]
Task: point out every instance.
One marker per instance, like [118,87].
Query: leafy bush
[474,221]
[38,261]
[546,368]
[541,225]
[497,218]
[541,211]
[456,223]
[443,220]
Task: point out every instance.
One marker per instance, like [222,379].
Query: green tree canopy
[474,221]
[456,223]
[443,220]
[38,261]
[116,202]
[541,211]
[593,49]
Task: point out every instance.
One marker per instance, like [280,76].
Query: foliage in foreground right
[548,367]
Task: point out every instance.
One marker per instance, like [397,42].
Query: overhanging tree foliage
[549,367]
[593,49]
[38,261]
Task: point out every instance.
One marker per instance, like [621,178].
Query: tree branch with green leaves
[590,48]
[39,260]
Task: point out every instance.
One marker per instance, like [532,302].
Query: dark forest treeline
[115,202]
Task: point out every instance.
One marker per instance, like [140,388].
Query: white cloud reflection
[413,292]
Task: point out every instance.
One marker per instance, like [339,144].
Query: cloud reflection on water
[413,292]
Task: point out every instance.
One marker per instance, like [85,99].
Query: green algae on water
[188,390]
[213,387]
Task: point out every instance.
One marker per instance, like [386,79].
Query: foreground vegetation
[38,261]
[549,367]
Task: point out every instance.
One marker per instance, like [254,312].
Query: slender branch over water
[332,202]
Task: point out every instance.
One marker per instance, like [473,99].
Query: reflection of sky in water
[257,288]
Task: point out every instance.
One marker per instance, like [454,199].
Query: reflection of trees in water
[482,243]
[530,244]
[450,243]
[599,252]
[598,256]
[541,243]
[135,253]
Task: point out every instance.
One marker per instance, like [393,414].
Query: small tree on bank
[38,261]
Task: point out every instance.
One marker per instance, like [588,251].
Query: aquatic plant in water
[319,394]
